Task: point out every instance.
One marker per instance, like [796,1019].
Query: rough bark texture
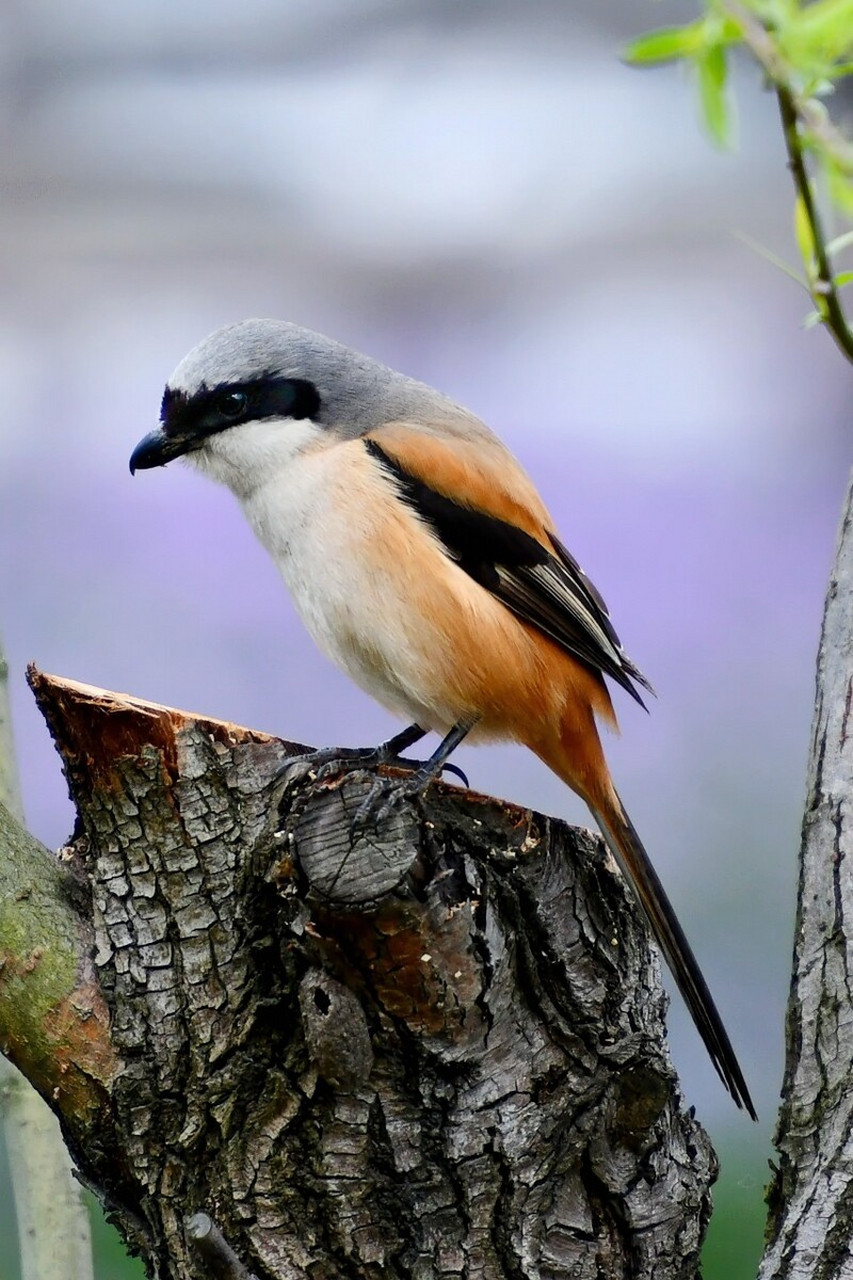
[436,1051]
[811,1200]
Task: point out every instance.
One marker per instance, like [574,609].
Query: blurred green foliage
[110,1256]
[803,50]
[735,1237]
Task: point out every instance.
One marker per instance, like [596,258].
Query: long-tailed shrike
[423,561]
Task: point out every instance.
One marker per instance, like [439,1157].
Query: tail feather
[627,848]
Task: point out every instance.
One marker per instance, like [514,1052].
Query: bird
[423,561]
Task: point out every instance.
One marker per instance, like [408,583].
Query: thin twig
[822,286]
[799,111]
[215,1249]
[767,53]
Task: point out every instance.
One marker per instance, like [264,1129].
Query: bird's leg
[388,792]
[407,737]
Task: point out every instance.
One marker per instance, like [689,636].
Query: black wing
[547,589]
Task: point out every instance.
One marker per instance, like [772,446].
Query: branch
[434,1050]
[778,70]
[215,1249]
[809,1200]
[799,110]
[53,1020]
[48,1202]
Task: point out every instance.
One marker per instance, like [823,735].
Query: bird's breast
[332,526]
[382,598]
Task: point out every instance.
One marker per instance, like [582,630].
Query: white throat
[248,456]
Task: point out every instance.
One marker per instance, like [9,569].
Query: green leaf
[668,44]
[711,67]
[813,318]
[843,278]
[822,31]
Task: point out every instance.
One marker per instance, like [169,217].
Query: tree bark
[811,1198]
[433,1050]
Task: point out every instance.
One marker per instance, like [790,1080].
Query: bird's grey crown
[356,393]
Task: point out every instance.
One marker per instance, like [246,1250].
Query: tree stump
[432,1050]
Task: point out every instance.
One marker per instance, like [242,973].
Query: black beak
[157,449]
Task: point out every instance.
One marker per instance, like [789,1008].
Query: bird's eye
[232,404]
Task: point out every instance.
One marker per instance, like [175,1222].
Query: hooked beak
[156,449]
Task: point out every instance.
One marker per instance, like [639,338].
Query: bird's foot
[387,793]
[328,762]
[336,763]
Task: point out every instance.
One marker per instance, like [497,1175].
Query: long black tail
[627,848]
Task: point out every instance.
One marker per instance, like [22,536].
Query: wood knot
[345,867]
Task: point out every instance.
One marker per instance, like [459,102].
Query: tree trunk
[811,1199]
[433,1050]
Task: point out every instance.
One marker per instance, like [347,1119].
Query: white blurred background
[481,194]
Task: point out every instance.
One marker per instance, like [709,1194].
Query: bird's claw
[337,764]
[385,795]
[447,767]
[331,761]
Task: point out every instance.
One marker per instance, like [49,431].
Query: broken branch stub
[436,1047]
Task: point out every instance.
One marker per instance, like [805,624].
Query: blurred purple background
[482,195]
